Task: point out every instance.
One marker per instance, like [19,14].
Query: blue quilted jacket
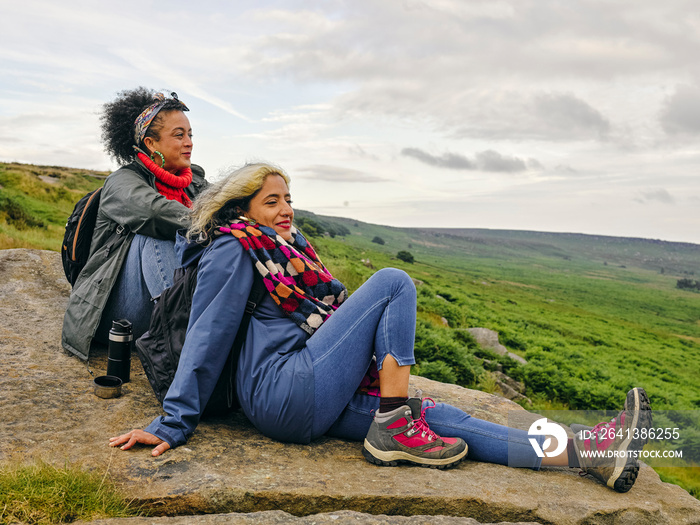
[274,380]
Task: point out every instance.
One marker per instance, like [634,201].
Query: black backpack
[160,347]
[78,236]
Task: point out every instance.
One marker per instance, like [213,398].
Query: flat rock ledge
[49,412]
[278,517]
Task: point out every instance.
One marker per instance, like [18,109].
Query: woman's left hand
[137,435]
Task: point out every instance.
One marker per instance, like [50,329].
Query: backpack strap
[257,294]
[115,238]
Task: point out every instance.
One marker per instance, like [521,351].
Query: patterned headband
[143,121]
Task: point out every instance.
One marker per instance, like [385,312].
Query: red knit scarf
[170,186]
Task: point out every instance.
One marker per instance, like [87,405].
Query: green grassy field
[592,315]
[35,202]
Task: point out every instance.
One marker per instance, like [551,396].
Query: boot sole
[625,473]
[394,457]
[639,400]
[627,478]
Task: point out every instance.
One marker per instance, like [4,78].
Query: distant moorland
[593,315]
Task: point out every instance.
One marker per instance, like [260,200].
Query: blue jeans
[380,319]
[146,272]
[487,442]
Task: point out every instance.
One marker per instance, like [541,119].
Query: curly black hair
[118,118]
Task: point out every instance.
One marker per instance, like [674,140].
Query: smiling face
[174,141]
[271,206]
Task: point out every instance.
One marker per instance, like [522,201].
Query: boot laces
[420,425]
[603,426]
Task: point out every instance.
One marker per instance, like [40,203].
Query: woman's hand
[129,439]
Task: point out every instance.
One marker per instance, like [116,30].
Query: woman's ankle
[387,404]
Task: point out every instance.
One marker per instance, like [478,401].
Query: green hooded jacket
[129,204]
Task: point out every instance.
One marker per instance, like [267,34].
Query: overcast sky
[568,116]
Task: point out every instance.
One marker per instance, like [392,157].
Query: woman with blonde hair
[310,347]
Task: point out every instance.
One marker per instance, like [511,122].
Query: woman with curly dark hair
[142,206]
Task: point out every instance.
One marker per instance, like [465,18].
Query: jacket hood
[189,252]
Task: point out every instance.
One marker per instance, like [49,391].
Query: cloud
[565,169]
[542,116]
[494,112]
[48,133]
[534,164]
[661,195]
[681,111]
[503,70]
[337,174]
[488,160]
[339,88]
[446,160]
[564,111]
[475,40]
[361,152]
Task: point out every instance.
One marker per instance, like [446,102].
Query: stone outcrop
[510,388]
[278,517]
[507,386]
[488,339]
[49,411]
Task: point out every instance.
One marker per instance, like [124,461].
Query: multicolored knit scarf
[170,186]
[292,272]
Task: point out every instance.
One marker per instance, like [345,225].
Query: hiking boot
[634,401]
[617,442]
[403,435]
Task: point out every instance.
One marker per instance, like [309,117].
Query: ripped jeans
[380,319]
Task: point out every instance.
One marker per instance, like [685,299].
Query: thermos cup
[121,339]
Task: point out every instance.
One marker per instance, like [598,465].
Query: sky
[561,116]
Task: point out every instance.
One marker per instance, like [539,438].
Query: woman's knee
[394,279]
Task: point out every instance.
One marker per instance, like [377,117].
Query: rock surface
[277,517]
[488,339]
[510,388]
[49,411]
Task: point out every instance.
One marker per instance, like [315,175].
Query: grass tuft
[40,493]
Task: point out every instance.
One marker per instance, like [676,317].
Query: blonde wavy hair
[224,201]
